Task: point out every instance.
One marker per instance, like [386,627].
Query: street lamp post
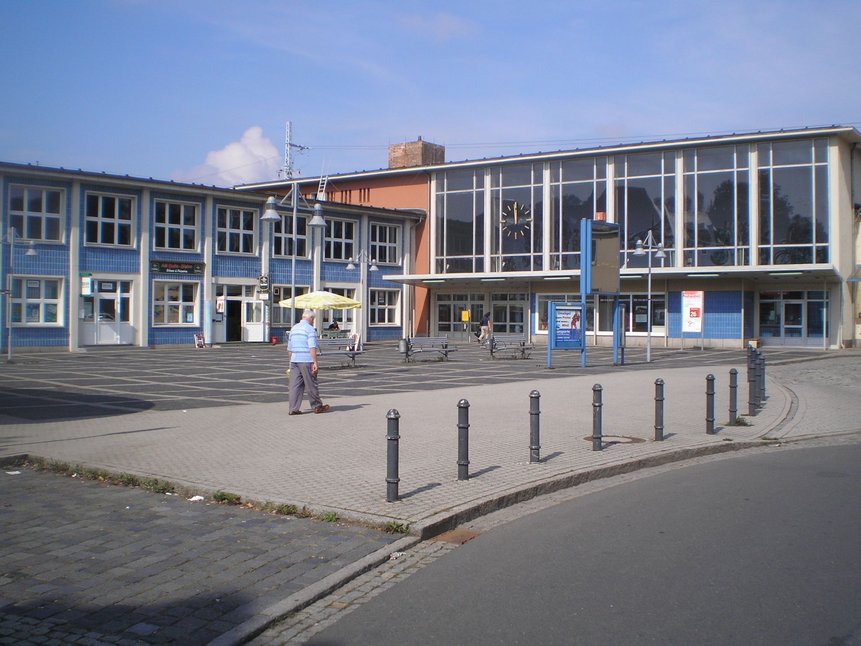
[269,217]
[10,278]
[317,232]
[366,263]
[649,247]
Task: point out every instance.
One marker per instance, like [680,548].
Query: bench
[346,346]
[428,344]
[517,343]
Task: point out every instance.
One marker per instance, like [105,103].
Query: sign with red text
[692,311]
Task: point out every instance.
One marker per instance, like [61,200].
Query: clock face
[516,219]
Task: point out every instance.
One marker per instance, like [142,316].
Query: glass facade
[696,201]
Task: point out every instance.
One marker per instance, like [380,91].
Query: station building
[765,225]
[92,259]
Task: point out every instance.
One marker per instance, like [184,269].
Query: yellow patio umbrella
[320,300]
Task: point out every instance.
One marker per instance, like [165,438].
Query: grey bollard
[659,410]
[534,431]
[710,405]
[733,396]
[392,437]
[463,440]
[762,380]
[752,386]
[757,372]
[597,404]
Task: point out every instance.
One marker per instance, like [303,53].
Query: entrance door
[252,321]
[106,314]
[793,320]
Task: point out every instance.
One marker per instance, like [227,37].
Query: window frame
[182,305]
[385,252]
[21,302]
[99,219]
[390,310]
[25,215]
[282,237]
[181,227]
[230,231]
[346,242]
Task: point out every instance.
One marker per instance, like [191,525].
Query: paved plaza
[130,565]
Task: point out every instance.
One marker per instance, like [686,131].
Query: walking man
[485,326]
[302,348]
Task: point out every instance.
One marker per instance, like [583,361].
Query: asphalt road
[760,548]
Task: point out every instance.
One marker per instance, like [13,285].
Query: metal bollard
[751,387]
[762,380]
[757,372]
[597,442]
[463,440]
[710,404]
[392,437]
[733,396]
[659,410]
[534,431]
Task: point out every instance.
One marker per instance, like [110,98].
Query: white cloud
[251,159]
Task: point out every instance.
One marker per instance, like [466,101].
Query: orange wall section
[409,191]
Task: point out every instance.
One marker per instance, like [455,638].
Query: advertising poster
[568,324]
[692,311]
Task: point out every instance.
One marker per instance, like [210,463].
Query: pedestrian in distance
[485,327]
[302,350]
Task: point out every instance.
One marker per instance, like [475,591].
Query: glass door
[793,319]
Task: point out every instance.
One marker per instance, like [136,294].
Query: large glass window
[174,303]
[543,310]
[716,206]
[176,226]
[281,315]
[283,236]
[517,209]
[36,213]
[635,313]
[235,230]
[384,244]
[36,301]
[579,190]
[509,313]
[108,220]
[645,201]
[793,202]
[451,308]
[460,221]
[384,306]
[340,239]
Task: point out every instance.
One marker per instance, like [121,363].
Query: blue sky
[200,90]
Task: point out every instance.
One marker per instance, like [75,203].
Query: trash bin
[402,346]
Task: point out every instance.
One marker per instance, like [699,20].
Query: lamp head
[270,214]
[660,253]
[317,220]
[31,249]
[639,251]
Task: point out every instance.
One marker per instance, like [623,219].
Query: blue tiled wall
[721,318]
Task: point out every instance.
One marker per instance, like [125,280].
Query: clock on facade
[516,219]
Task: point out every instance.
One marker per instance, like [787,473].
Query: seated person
[334,326]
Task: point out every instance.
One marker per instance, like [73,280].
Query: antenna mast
[287,171]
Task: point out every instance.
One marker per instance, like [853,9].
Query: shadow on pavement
[37,405]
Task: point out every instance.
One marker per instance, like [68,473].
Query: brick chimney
[415,153]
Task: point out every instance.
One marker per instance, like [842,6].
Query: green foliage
[226,497]
[394,527]
[329,517]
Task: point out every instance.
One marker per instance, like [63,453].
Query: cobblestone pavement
[110,564]
[88,563]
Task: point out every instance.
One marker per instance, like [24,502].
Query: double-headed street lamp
[364,261]
[11,237]
[649,247]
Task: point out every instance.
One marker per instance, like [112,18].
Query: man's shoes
[322,408]
[295,412]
